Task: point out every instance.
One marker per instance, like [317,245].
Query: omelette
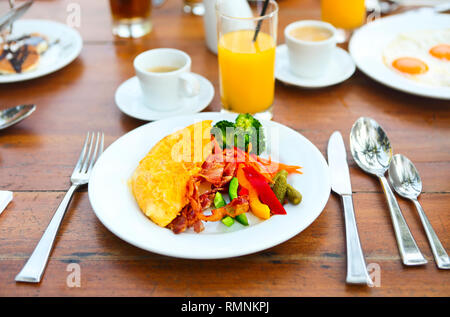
[159,183]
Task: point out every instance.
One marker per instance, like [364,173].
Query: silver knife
[13,14]
[340,184]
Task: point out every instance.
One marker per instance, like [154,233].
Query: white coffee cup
[165,91]
[310,58]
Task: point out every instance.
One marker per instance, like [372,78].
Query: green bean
[219,201]
[228,221]
[233,188]
[242,218]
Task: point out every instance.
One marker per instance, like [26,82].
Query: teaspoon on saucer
[372,152]
[11,116]
[406,181]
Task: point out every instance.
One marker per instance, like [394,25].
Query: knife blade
[340,183]
[14,14]
[337,160]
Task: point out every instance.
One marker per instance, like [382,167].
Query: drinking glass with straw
[247,37]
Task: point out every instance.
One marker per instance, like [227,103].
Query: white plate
[129,100]
[340,69]
[367,44]
[116,208]
[57,56]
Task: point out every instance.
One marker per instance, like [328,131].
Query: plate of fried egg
[37,48]
[409,52]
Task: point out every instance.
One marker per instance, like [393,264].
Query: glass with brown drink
[195,7]
[131,18]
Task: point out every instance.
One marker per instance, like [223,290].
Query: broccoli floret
[244,131]
[223,131]
[249,130]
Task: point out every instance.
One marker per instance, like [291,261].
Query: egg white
[417,44]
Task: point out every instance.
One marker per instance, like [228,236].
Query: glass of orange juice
[345,15]
[246,53]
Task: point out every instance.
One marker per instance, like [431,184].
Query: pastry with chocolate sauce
[39,41]
[22,54]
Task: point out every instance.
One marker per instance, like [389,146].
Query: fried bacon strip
[186,219]
[217,171]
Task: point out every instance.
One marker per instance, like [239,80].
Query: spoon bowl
[370,146]
[404,177]
[11,116]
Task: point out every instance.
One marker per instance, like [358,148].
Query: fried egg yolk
[441,51]
[410,65]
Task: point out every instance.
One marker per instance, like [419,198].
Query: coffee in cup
[162,69]
[165,78]
[311,33]
[311,45]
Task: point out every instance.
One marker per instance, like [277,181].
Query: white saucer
[340,69]
[129,100]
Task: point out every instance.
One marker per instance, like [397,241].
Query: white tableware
[116,207]
[234,9]
[65,46]
[130,100]
[230,8]
[341,67]
[210,25]
[367,44]
[308,58]
[164,91]
[5,198]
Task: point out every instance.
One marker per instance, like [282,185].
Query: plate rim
[56,66]
[202,256]
[344,77]
[417,90]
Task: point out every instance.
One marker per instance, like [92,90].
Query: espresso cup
[310,58]
[165,90]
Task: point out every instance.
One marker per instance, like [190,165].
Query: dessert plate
[130,100]
[340,69]
[115,206]
[65,45]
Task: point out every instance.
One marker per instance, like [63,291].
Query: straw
[263,12]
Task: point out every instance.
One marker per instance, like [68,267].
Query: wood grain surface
[37,157]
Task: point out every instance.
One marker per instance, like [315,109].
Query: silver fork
[35,266]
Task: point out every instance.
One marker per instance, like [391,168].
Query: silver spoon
[406,181]
[11,116]
[372,152]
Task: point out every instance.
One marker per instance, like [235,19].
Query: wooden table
[37,157]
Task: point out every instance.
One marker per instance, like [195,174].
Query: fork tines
[94,142]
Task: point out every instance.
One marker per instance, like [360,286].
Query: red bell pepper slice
[243,191]
[265,193]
